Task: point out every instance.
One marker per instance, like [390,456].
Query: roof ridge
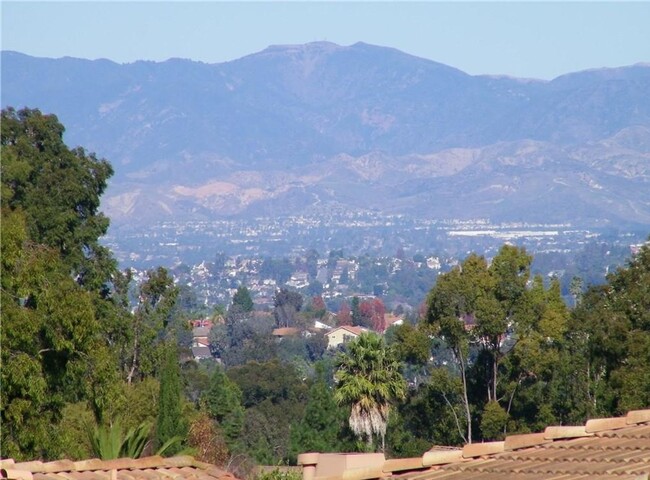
[565,432]
[92,464]
[181,467]
[550,443]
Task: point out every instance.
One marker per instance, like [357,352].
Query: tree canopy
[55,278]
[368,380]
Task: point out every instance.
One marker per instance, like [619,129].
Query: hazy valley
[311,129]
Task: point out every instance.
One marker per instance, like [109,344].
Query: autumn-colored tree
[318,306]
[344,317]
[372,314]
[378,315]
[205,438]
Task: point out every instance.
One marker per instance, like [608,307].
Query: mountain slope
[296,128]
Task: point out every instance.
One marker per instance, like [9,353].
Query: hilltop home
[343,334]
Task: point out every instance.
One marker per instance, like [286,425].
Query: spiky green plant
[106,441]
[136,440]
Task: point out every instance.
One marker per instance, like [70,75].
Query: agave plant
[108,441]
[136,440]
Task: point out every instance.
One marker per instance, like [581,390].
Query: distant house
[391,319]
[200,336]
[201,343]
[298,280]
[201,353]
[203,322]
[318,325]
[286,332]
[344,334]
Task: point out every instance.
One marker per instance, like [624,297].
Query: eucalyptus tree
[368,380]
[54,281]
[483,305]
[613,322]
[451,307]
[150,323]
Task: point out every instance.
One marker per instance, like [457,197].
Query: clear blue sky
[524,39]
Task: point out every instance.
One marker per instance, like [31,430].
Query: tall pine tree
[319,429]
[170,422]
[224,404]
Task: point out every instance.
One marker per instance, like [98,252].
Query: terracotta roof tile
[17,474]
[514,442]
[148,468]
[603,449]
[481,449]
[554,433]
[439,457]
[638,416]
[601,424]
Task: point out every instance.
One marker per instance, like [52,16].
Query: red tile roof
[610,448]
[149,468]
[285,332]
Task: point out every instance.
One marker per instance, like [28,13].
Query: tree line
[94,364]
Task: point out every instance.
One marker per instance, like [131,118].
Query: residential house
[200,340]
[391,319]
[201,353]
[343,334]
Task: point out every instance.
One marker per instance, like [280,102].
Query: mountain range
[301,129]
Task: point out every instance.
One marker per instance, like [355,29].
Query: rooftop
[148,468]
[609,448]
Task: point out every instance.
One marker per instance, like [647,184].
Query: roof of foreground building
[608,448]
[148,468]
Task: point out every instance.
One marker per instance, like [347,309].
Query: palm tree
[368,379]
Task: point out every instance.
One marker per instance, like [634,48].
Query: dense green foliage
[54,278]
[223,402]
[368,380]
[91,359]
[321,424]
[242,300]
[57,190]
[170,424]
[73,355]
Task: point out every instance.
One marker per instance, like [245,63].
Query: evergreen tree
[58,191]
[150,323]
[223,401]
[287,304]
[613,322]
[55,275]
[242,301]
[355,311]
[170,422]
[319,429]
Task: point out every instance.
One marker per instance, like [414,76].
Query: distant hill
[300,128]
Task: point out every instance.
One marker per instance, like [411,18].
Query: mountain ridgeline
[302,128]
